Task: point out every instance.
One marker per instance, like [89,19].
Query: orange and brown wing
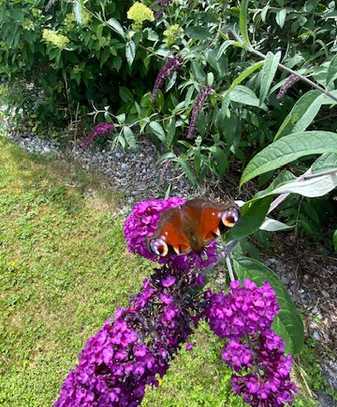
[206,216]
[171,231]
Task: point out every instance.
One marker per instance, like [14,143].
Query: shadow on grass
[61,182]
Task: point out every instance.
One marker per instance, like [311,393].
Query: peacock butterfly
[191,226]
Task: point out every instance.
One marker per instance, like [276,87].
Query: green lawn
[63,270]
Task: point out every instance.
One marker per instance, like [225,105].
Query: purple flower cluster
[197,108]
[142,223]
[290,81]
[101,129]
[273,386]
[161,4]
[172,64]
[244,317]
[130,351]
[243,311]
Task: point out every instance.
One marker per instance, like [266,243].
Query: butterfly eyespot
[230,217]
[158,247]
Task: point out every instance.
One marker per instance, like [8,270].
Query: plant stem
[283,67]
[230,268]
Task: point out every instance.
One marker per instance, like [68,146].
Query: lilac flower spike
[130,351]
[290,81]
[101,129]
[244,317]
[161,4]
[197,108]
[172,64]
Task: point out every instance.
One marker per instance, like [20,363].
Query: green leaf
[302,114]
[77,7]
[115,25]
[157,130]
[219,158]
[125,94]
[327,161]
[310,188]
[171,132]
[264,12]
[242,94]
[171,82]
[272,225]
[244,21]
[288,324]
[252,216]
[332,70]
[210,78]
[130,52]
[223,48]
[197,32]
[334,240]
[268,72]
[130,137]
[288,149]
[244,74]
[198,71]
[187,170]
[281,17]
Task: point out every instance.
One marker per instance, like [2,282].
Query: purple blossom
[189,346]
[197,108]
[168,281]
[172,64]
[290,81]
[269,383]
[131,350]
[161,4]
[237,355]
[101,129]
[243,311]
[244,317]
[142,223]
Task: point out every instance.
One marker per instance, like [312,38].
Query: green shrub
[66,58]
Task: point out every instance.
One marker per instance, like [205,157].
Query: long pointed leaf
[244,21]
[268,72]
[288,149]
[302,114]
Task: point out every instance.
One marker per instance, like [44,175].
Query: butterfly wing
[205,217]
[192,226]
[171,231]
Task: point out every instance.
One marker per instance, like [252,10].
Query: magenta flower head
[269,384]
[101,129]
[245,310]
[172,64]
[141,225]
[244,317]
[135,347]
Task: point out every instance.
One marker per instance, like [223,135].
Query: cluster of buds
[243,317]
[171,65]
[101,129]
[290,81]
[197,108]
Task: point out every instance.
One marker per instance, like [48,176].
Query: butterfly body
[190,227]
